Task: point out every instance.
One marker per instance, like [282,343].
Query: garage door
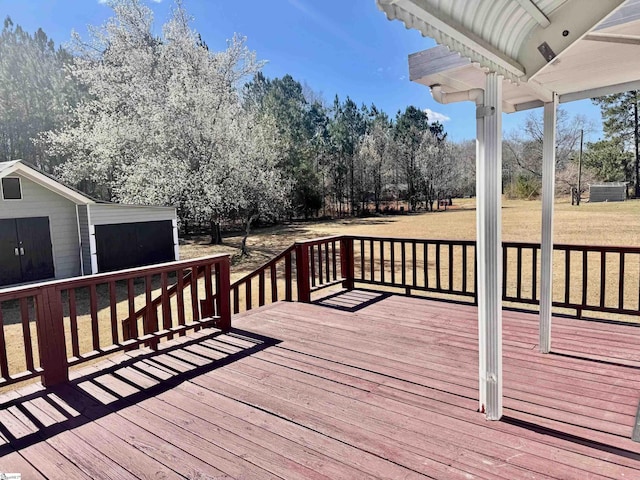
[128,245]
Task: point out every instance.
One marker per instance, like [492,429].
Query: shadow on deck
[357,385]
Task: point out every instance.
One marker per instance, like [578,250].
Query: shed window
[11,189]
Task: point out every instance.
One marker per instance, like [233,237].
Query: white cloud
[436,116]
[401,78]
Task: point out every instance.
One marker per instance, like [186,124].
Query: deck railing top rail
[142,306]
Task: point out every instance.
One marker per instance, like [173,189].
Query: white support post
[546,250]
[489,246]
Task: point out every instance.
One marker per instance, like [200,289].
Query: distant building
[608,192]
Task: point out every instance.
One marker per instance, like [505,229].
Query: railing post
[51,341]
[223,297]
[347,260]
[302,271]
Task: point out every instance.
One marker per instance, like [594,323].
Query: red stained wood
[73,321]
[386,391]
[26,333]
[114,312]
[303,272]
[93,306]
[51,342]
[4,365]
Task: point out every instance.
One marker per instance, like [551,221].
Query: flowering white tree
[374,155]
[164,123]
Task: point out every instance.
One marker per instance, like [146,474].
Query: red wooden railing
[82,318]
[301,269]
[48,327]
[586,277]
[436,266]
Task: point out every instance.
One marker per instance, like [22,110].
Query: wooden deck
[361,385]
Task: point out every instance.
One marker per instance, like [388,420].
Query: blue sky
[346,47]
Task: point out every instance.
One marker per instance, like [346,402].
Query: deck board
[360,385]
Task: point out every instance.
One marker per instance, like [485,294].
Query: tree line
[131,116]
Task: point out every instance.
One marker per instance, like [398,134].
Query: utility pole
[579,195]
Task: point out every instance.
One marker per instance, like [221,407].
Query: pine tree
[620,115]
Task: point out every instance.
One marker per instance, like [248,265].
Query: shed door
[128,245]
[36,259]
[9,253]
[25,250]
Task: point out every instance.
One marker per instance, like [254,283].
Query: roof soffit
[502,35]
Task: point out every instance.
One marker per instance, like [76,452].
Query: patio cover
[511,55]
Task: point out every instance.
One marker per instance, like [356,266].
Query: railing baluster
[534,273]
[167,321]
[312,265]
[505,270]
[207,308]
[464,268]
[371,260]
[567,276]
[426,264]
[132,320]
[519,273]
[381,242]
[180,299]
[621,282]
[334,259]
[585,276]
[450,248]
[414,263]
[403,261]
[320,275]
[248,294]
[274,283]
[327,259]
[195,302]
[362,259]
[4,364]
[393,261]
[261,288]
[26,333]
[438,284]
[603,271]
[113,311]
[236,299]
[93,306]
[73,322]
[288,277]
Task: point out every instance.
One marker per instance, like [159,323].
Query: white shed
[607,192]
[48,230]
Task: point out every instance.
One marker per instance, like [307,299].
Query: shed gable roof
[19,167]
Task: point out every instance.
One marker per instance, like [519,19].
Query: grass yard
[588,224]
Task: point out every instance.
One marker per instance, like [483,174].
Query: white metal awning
[575,48]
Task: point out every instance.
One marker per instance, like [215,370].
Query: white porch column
[546,250]
[489,246]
